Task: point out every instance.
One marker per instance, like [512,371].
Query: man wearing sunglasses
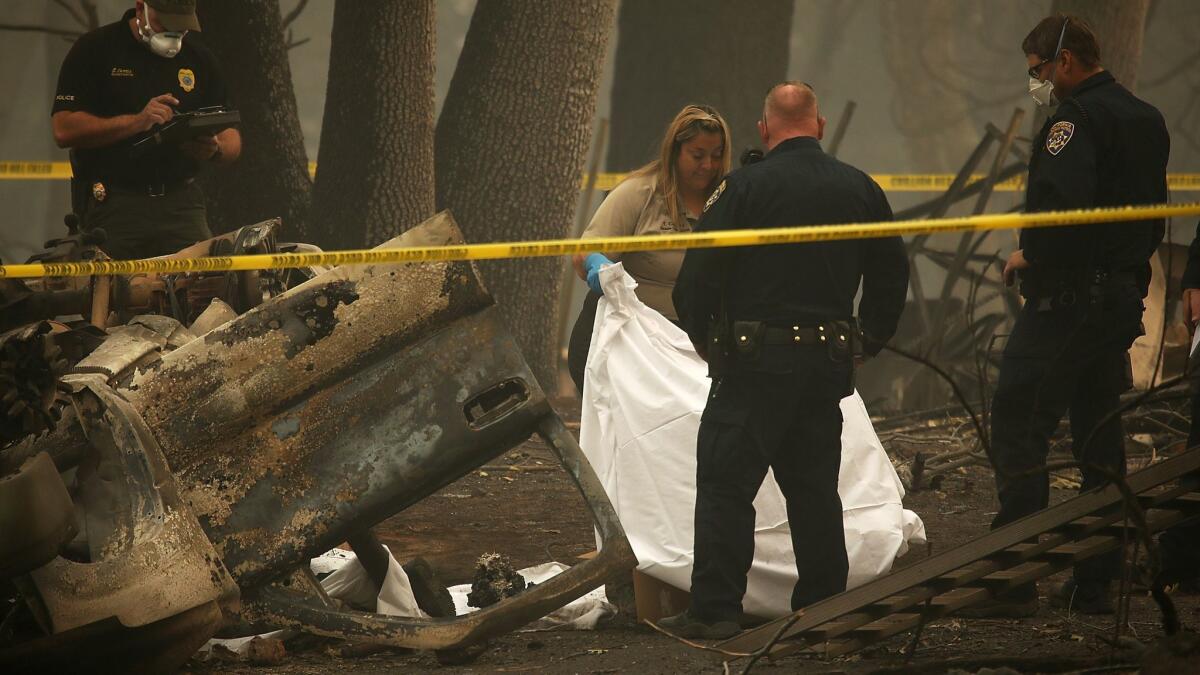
[1083,287]
[118,83]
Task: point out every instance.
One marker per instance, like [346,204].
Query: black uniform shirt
[795,184]
[1103,147]
[1191,272]
[109,72]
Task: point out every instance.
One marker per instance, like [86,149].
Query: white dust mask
[1042,92]
[165,44]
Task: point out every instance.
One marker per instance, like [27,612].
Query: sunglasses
[1034,71]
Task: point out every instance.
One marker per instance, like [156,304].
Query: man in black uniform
[781,353]
[1179,546]
[117,83]
[1083,288]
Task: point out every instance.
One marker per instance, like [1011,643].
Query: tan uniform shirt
[635,208]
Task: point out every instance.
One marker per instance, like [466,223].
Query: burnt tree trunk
[375,167]
[1120,28]
[724,54]
[271,178]
[511,142]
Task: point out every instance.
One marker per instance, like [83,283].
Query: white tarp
[348,581]
[644,392]
[582,613]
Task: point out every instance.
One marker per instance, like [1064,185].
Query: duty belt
[800,334]
[150,188]
[1093,291]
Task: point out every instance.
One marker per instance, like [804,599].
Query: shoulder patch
[715,196]
[1060,134]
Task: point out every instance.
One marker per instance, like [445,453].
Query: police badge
[1060,134]
[99,192]
[187,79]
[715,196]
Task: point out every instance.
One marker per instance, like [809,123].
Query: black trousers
[580,342]
[792,424]
[141,226]
[1072,361]
[1179,545]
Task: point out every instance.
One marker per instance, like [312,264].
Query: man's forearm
[82,130]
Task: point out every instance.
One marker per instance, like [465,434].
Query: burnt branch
[292,16]
[291,42]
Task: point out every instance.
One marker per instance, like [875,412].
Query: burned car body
[326,409]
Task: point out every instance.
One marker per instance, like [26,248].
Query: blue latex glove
[591,265]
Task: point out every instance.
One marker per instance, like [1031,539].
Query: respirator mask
[1042,92]
[165,44]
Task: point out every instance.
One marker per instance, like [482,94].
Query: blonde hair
[689,123]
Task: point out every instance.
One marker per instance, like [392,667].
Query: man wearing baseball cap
[117,83]
[176,16]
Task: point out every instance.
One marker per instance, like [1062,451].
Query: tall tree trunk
[511,142]
[271,178]
[1120,27]
[724,54]
[375,167]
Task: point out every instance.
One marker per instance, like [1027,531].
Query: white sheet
[348,581]
[644,392]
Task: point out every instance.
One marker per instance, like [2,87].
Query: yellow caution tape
[938,182]
[557,247]
[35,170]
[890,182]
[605,181]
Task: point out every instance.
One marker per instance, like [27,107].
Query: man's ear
[763,134]
[1066,62]
[820,127]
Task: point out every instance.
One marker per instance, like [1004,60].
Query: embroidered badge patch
[187,79]
[715,196]
[1060,134]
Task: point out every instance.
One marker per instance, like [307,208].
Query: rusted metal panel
[338,404]
[354,453]
[328,408]
[283,606]
[148,558]
[30,542]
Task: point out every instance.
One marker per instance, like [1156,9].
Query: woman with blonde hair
[667,195]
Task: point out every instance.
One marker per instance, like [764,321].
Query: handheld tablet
[188,125]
